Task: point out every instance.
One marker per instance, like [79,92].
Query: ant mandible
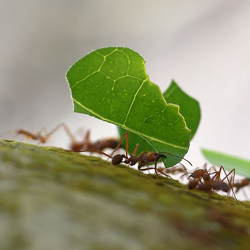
[144,158]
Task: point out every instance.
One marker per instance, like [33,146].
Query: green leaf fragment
[111,84]
[189,107]
[242,166]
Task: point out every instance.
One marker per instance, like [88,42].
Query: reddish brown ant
[34,136]
[143,159]
[202,173]
[173,170]
[211,185]
[241,184]
[193,183]
[86,144]
[220,184]
[204,182]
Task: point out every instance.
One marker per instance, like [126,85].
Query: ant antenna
[162,155]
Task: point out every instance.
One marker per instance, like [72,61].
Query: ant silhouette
[143,159]
[86,144]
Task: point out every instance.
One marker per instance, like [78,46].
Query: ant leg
[133,159]
[28,135]
[119,144]
[209,171]
[117,159]
[161,170]
[40,136]
[135,151]
[184,170]
[229,182]
[87,140]
[69,133]
[143,163]
[48,135]
[156,170]
[144,169]
[217,174]
[117,147]
[75,145]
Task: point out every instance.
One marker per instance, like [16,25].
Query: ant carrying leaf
[143,159]
[111,84]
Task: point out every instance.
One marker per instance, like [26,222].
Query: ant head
[162,155]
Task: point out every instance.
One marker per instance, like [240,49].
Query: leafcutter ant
[173,170]
[202,173]
[241,184]
[41,136]
[203,181]
[86,144]
[143,159]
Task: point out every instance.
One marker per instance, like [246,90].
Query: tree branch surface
[54,199]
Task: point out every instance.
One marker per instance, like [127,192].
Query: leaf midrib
[123,126]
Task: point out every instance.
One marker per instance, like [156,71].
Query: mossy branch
[54,199]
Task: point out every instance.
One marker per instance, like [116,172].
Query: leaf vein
[132,103]
[148,138]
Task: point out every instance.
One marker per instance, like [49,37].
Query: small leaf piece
[189,107]
[111,84]
[242,166]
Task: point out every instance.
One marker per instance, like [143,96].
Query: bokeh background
[203,45]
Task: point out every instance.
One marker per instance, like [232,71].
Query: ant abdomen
[117,159]
[193,184]
[220,185]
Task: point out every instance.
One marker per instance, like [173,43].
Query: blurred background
[203,45]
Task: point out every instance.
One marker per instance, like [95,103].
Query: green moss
[75,198]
